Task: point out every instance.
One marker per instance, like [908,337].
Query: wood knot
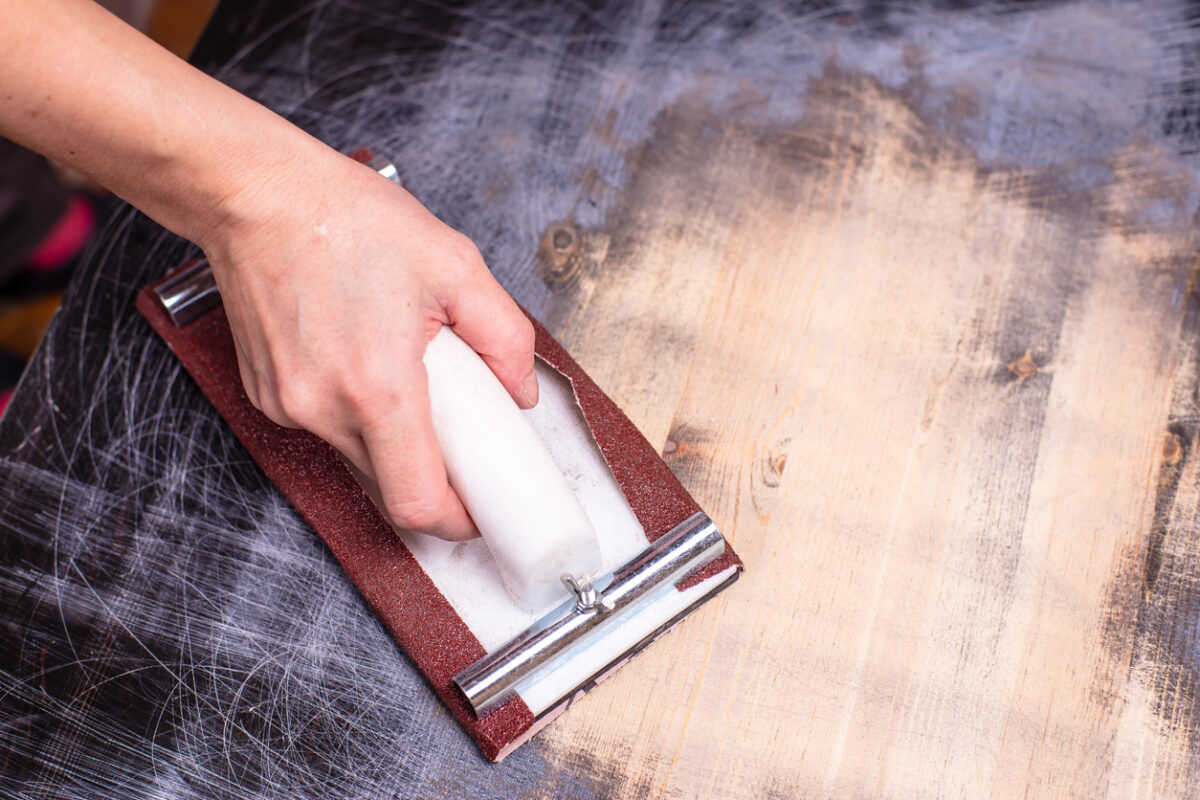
[676,448]
[1024,367]
[774,463]
[1172,449]
[559,252]
[685,449]
[563,239]
[773,472]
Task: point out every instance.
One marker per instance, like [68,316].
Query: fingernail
[529,391]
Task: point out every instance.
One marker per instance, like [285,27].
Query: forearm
[331,293]
[84,88]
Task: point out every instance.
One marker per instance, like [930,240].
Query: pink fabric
[67,237]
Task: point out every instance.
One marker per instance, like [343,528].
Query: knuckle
[513,341]
[372,396]
[298,401]
[272,411]
[263,397]
[465,251]
[253,394]
[521,335]
[462,258]
[355,393]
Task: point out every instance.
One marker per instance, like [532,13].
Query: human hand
[332,293]
[333,278]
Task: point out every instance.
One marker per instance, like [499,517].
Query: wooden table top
[907,296]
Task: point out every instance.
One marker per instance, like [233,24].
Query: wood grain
[927,402]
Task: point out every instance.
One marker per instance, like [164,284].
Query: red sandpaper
[315,481]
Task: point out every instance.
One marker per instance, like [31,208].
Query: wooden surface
[908,299]
[930,408]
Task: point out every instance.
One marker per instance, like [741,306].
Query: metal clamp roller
[188,295]
[582,622]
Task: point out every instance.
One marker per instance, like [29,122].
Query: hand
[333,286]
[333,278]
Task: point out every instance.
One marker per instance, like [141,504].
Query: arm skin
[333,283]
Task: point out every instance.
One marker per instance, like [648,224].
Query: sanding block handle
[528,514]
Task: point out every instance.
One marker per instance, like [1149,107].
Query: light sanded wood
[928,408]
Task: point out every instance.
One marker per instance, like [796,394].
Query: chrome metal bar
[618,661]
[574,625]
[194,290]
[386,168]
[189,294]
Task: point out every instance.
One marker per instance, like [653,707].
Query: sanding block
[505,660]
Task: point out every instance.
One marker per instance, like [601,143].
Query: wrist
[233,185]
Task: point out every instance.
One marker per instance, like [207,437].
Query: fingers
[489,320]
[395,456]
[407,465]
[371,487]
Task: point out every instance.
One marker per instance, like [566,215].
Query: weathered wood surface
[908,298]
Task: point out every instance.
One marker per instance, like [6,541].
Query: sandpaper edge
[657,497]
